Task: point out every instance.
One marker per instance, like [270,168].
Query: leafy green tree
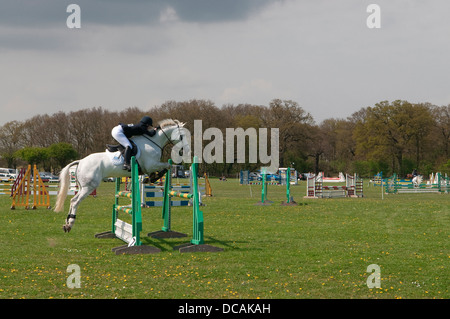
[441,132]
[32,155]
[293,123]
[392,132]
[62,153]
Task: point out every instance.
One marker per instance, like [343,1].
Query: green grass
[319,249]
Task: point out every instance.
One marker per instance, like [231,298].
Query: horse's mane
[169,122]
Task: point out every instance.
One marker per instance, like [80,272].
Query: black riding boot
[127,159]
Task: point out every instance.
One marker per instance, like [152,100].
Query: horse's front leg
[160,173]
[158,170]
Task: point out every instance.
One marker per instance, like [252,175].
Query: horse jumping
[94,167]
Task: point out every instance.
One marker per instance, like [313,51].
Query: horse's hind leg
[74,202]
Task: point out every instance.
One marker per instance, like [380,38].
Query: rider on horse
[123,132]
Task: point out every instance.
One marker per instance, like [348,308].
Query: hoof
[67,228]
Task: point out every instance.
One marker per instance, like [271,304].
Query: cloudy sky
[319,53]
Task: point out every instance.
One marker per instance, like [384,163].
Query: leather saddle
[121,149]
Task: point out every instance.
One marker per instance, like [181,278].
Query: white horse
[93,168]
[417,180]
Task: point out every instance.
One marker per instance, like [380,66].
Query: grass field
[319,249]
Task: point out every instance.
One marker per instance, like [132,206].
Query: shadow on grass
[168,244]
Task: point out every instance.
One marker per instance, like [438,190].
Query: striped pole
[182,195]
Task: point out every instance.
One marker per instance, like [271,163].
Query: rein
[170,141]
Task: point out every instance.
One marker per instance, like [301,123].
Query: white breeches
[119,136]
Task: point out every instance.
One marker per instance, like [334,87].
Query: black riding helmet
[147,120]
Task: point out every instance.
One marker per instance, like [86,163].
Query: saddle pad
[117,158]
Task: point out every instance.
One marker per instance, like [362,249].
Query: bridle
[170,141]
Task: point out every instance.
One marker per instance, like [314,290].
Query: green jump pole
[288,185]
[136,202]
[264,201]
[166,230]
[166,211]
[264,190]
[289,200]
[197,236]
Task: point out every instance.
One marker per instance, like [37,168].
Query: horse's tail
[64,180]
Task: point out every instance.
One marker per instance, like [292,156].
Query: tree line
[396,136]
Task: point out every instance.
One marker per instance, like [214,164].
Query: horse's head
[177,134]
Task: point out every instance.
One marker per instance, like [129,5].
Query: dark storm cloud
[41,25]
[216,10]
[26,13]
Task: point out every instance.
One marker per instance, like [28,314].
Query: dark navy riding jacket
[136,129]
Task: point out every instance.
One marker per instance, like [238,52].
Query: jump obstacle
[11,183]
[282,179]
[394,186]
[28,185]
[377,179]
[265,202]
[150,193]
[197,243]
[289,199]
[315,188]
[130,233]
